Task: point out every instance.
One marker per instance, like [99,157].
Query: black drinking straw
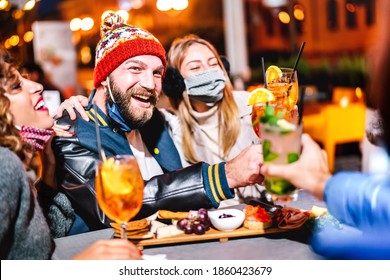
[263,67]
[302,91]
[297,60]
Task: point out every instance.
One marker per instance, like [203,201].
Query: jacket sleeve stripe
[218,182]
[211,183]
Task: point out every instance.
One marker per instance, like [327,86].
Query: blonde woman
[213,122]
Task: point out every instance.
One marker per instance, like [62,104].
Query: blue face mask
[114,112]
[206,86]
[115,115]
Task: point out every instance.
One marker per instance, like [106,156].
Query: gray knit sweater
[24,233]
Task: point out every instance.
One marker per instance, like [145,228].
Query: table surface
[290,245]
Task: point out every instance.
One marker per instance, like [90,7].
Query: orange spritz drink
[119,189]
[281,92]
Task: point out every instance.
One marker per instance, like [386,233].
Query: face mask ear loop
[109,90]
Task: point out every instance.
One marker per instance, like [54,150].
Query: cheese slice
[167,231]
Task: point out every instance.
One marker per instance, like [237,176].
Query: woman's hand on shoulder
[78,103]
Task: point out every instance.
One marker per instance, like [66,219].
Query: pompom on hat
[119,42]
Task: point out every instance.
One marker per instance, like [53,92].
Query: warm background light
[75,24]
[166,5]
[298,12]
[87,24]
[14,40]
[85,55]
[28,36]
[17,14]
[284,17]
[180,5]
[3,4]
[29,5]
[163,5]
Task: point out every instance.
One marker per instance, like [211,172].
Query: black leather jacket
[194,187]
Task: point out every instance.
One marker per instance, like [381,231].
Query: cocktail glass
[283,83]
[282,87]
[281,145]
[119,189]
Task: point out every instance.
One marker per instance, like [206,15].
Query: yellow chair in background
[334,125]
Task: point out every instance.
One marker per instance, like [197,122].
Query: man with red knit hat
[129,68]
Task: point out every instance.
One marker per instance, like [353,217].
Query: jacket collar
[155,135]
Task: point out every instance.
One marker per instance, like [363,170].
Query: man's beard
[135,117]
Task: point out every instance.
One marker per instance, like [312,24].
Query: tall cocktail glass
[119,189]
[281,142]
[281,92]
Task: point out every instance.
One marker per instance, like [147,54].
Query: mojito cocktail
[281,142]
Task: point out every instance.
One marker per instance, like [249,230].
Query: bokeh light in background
[284,17]
[87,23]
[166,5]
[28,36]
[85,55]
[75,24]
[3,4]
[299,13]
[29,5]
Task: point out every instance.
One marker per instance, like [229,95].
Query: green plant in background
[350,71]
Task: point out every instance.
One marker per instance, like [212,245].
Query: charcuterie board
[211,234]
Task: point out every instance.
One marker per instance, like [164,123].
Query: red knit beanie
[120,42]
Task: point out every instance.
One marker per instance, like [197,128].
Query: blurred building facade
[333,29]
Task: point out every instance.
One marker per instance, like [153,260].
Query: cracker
[165,214]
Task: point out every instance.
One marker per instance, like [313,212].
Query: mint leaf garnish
[291,157]
[267,153]
[270,117]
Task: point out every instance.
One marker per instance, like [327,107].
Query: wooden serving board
[211,234]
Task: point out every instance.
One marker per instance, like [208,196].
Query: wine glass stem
[123,231]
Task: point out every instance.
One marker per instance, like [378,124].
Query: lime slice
[260,95]
[285,126]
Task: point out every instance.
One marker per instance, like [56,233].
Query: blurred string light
[3,4]
[25,5]
[84,24]
[128,5]
[29,5]
[87,23]
[274,3]
[85,55]
[166,5]
[284,17]
[14,40]
[28,36]
[299,13]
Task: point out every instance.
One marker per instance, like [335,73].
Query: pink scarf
[36,137]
